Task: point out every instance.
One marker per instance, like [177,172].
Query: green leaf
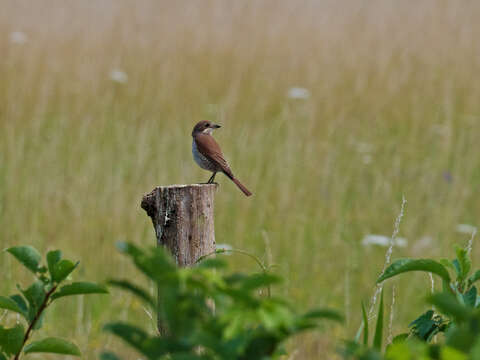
[378,337]
[11,340]
[133,335]
[448,304]
[212,264]
[449,353]
[2,357]
[405,265]
[424,325]
[365,325]
[474,277]
[35,294]
[464,262]
[78,288]
[470,297]
[28,256]
[324,314]
[53,345]
[20,302]
[456,266]
[256,281]
[107,355]
[134,289]
[53,257]
[10,304]
[62,269]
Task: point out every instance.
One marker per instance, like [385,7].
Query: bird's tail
[241,187]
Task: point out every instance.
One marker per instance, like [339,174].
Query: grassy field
[97,102]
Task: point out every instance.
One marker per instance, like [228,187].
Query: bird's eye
[207,125]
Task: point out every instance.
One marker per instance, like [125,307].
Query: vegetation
[456,315]
[32,302]
[392,108]
[206,314]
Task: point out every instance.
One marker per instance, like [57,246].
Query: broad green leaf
[365,325]
[2,357]
[62,269]
[424,325]
[35,294]
[448,304]
[78,288]
[11,340]
[10,304]
[136,290]
[28,256]
[53,345]
[405,265]
[378,337]
[53,257]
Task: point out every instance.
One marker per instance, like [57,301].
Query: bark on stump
[182,216]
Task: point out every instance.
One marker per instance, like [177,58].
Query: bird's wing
[209,148]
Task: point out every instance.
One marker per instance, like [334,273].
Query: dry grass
[394,106]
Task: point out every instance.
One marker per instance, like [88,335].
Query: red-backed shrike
[208,154]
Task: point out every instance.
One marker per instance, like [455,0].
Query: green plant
[208,314]
[32,302]
[456,316]
[457,281]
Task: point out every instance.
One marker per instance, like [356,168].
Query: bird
[208,155]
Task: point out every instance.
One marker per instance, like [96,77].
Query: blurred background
[331,111]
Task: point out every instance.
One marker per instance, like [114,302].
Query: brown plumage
[207,153]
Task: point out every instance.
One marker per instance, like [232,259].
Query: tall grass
[393,109]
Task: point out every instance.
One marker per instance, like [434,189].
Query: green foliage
[32,302]
[11,340]
[456,316]
[427,325]
[52,345]
[208,314]
[405,265]
[355,350]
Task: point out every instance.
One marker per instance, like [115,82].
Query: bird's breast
[201,160]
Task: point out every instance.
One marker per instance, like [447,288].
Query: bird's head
[205,127]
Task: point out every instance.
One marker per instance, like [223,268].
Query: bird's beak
[216,126]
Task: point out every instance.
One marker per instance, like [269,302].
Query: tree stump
[182,216]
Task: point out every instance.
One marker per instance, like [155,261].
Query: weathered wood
[182,216]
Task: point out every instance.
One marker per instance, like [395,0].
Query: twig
[35,319]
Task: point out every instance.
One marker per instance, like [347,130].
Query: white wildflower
[298,93]
[383,240]
[18,37]
[119,76]
[466,228]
